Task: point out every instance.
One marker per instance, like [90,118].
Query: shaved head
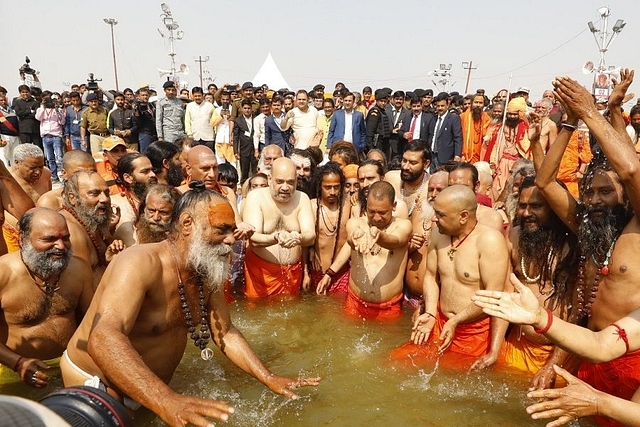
[199,151]
[459,198]
[283,166]
[382,190]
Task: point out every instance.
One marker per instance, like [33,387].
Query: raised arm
[559,199]
[615,102]
[619,152]
[12,197]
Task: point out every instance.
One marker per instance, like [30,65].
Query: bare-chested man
[268,155]
[29,171]
[464,256]
[331,211]
[548,129]
[72,161]
[466,174]
[43,293]
[13,199]
[283,223]
[133,337]
[413,187]
[543,257]
[369,172]
[87,209]
[136,174]
[379,245]
[608,230]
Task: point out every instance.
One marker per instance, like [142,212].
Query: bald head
[486,181]
[381,190]
[283,166]
[199,152]
[458,198]
[437,182]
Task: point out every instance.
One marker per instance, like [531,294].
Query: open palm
[518,307]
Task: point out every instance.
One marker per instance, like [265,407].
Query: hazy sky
[373,42]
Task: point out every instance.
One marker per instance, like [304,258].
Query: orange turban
[517,105]
[350,171]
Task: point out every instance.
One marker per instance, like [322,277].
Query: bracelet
[330,273]
[17,363]
[569,127]
[549,322]
[429,314]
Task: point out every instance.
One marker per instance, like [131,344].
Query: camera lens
[87,407]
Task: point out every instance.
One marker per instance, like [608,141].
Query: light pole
[200,60]
[112,22]
[171,25]
[603,37]
[444,71]
[468,66]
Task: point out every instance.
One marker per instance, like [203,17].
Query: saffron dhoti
[263,278]
[11,237]
[619,377]
[520,354]
[386,310]
[470,342]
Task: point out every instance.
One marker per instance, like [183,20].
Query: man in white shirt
[258,123]
[200,119]
[303,119]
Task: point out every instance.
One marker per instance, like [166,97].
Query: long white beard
[210,261]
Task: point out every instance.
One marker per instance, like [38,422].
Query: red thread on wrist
[622,334]
[549,322]
[330,273]
[15,367]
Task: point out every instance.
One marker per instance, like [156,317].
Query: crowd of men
[392,200]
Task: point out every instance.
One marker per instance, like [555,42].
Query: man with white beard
[43,291]
[133,337]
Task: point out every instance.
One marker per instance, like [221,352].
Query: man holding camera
[52,120]
[144,113]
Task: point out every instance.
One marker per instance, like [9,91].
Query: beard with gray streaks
[42,263]
[209,261]
[95,218]
[601,225]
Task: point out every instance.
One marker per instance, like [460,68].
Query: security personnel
[378,125]
[247,93]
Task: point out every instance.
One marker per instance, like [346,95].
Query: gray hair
[25,151]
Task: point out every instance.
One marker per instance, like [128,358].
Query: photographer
[25,107]
[29,76]
[144,113]
[52,121]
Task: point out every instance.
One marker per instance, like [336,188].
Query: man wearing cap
[427,99]
[511,144]
[94,121]
[169,114]
[378,124]
[247,93]
[319,90]
[113,149]
[523,92]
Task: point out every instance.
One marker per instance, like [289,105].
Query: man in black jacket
[144,113]
[378,125]
[25,108]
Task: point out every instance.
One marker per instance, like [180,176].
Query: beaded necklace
[200,338]
[46,287]
[330,231]
[419,191]
[92,236]
[127,194]
[584,305]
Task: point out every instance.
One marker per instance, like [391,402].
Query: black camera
[75,407]
[92,83]
[49,103]
[26,68]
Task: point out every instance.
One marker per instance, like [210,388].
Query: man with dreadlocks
[542,252]
[378,246]
[331,210]
[608,279]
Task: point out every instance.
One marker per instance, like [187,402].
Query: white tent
[270,74]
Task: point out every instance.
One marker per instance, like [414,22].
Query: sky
[379,43]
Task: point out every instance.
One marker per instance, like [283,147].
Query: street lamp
[444,71]
[112,22]
[200,59]
[603,37]
[171,25]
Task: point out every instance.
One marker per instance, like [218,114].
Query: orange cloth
[470,342]
[619,377]
[577,153]
[522,355]
[339,284]
[263,279]
[11,237]
[473,134]
[387,310]
[107,172]
[225,150]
